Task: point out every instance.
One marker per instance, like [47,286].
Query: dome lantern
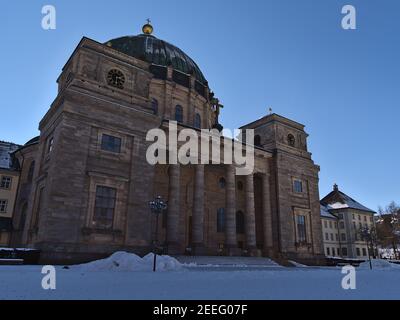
[147,28]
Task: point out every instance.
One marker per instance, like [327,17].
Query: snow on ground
[124,261]
[296,264]
[379,264]
[186,282]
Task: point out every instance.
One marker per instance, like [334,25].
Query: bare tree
[388,227]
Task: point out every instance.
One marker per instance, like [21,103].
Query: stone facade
[71,164]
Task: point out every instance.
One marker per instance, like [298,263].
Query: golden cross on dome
[147,28]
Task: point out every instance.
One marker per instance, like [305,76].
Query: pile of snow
[124,261]
[298,265]
[379,264]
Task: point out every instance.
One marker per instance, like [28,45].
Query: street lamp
[157,206]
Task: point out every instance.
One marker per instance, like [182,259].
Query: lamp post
[157,206]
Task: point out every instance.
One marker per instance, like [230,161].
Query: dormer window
[291,140]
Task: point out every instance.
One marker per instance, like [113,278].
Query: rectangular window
[3,206]
[221,220]
[330,224]
[358,252]
[325,224]
[340,215]
[331,236]
[371,219]
[344,251]
[336,237]
[365,218]
[5,182]
[359,217]
[335,225]
[364,251]
[298,186]
[50,143]
[333,251]
[328,252]
[301,228]
[110,143]
[341,224]
[343,236]
[353,216]
[327,236]
[104,207]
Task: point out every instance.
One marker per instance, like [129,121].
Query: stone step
[227,261]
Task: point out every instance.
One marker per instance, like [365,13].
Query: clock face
[116,78]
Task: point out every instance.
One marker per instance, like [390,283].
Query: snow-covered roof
[325,213]
[5,158]
[339,200]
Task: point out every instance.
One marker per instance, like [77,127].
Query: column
[198,209]
[250,214]
[230,212]
[267,215]
[173,208]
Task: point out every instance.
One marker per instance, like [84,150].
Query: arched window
[257,140]
[154,106]
[221,220]
[239,222]
[197,121]
[222,183]
[31,170]
[179,113]
[291,140]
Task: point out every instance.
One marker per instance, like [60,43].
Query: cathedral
[85,184]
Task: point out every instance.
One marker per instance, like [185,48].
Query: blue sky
[290,55]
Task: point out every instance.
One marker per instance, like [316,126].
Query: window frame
[3,205]
[298,183]
[105,145]
[197,121]
[6,185]
[179,114]
[221,220]
[108,222]
[301,232]
[291,140]
[154,106]
[50,145]
[240,227]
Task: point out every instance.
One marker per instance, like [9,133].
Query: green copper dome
[158,52]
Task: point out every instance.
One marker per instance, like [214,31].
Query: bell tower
[294,182]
